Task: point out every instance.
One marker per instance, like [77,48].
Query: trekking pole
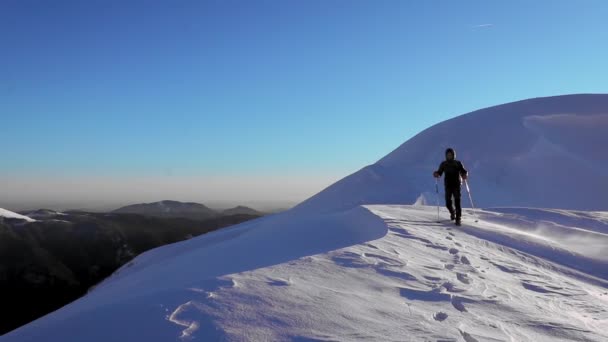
[437,192]
[470,198]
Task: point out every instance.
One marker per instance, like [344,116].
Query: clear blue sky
[307,90]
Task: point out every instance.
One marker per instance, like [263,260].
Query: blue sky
[254,90]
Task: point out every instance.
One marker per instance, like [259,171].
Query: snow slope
[10,214]
[544,152]
[380,272]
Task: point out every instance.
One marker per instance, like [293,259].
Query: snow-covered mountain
[12,215]
[351,265]
[543,152]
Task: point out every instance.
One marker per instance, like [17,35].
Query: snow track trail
[497,291]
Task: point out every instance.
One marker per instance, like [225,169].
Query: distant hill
[175,209]
[241,210]
[42,214]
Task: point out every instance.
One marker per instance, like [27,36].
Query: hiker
[454,171]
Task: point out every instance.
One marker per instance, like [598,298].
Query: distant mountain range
[42,214]
[189,210]
[50,258]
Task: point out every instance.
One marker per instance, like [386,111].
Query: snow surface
[10,214]
[349,264]
[379,272]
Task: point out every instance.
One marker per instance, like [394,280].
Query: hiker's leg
[457,202]
[448,200]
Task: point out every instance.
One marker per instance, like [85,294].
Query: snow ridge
[12,215]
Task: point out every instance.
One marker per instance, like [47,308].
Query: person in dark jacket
[454,171]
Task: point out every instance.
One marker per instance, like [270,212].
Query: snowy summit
[366,260]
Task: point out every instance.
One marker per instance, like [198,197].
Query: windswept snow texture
[374,273]
[12,215]
[544,152]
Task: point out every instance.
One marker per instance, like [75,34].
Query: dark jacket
[453,170]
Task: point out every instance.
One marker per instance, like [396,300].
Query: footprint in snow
[450,287]
[457,304]
[440,316]
[279,282]
[443,248]
[463,278]
[465,260]
[467,337]
[453,251]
